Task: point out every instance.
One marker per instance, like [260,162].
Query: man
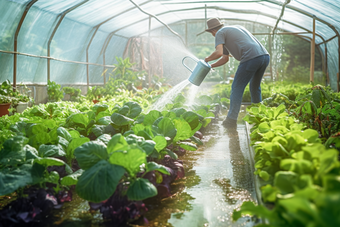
[253,57]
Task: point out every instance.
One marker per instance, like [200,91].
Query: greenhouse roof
[96,21]
[124,18]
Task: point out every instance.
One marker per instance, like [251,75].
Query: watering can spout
[200,71]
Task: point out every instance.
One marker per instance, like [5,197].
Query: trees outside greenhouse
[100,126]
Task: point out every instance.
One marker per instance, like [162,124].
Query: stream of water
[169,96]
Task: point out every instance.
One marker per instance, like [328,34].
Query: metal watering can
[200,71]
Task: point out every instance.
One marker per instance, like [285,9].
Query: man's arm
[221,61]
[218,53]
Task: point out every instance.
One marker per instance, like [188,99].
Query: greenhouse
[169,113]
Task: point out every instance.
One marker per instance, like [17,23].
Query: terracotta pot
[4,109]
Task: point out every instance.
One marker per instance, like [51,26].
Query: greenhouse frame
[63,41]
[112,113]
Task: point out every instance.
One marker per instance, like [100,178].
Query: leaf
[141,189]
[48,161]
[285,181]
[51,151]
[297,166]
[90,153]
[178,111]
[131,159]
[134,109]
[269,193]
[99,182]
[18,178]
[167,128]
[98,130]
[196,140]
[64,133]
[193,119]
[151,117]
[161,142]
[249,208]
[264,127]
[264,175]
[328,161]
[76,142]
[120,120]
[117,142]
[105,138]
[39,139]
[104,120]
[188,146]
[97,108]
[74,134]
[78,119]
[36,129]
[155,166]
[183,129]
[72,179]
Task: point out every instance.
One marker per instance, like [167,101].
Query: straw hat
[213,23]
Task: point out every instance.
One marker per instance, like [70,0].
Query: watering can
[200,71]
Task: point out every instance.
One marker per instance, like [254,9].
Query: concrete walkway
[226,180]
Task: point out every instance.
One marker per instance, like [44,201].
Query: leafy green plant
[95,93]
[54,92]
[74,93]
[105,166]
[5,99]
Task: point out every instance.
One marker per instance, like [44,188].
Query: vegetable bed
[296,145]
[111,154]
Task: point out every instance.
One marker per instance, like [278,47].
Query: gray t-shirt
[239,42]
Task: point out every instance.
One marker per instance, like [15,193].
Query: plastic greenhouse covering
[77,41]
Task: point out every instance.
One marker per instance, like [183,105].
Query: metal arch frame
[269,1]
[281,15]
[95,32]
[160,21]
[27,8]
[243,11]
[62,16]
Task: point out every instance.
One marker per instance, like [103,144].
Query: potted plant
[5,103]
[71,93]
[14,98]
[54,92]
[23,98]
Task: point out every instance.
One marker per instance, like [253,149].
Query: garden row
[297,145]
[112,154]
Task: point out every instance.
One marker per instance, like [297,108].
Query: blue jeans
[250,72]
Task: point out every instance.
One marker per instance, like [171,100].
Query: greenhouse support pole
[28,6]
[338,64]
[271,57]
[312,54]
[186,34]
[149,51]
